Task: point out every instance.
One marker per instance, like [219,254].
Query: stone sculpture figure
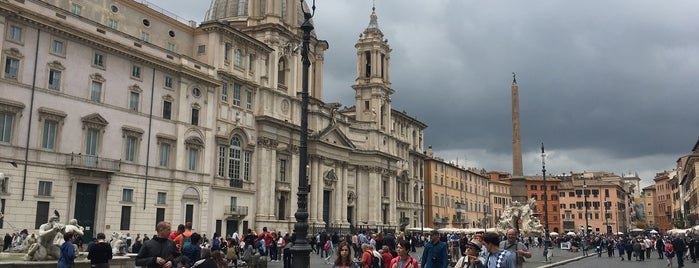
[45,248]
[517,213]
[118,244]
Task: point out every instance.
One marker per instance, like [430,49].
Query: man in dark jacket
[160,251]
[435,254]
[660,247]
[679,246]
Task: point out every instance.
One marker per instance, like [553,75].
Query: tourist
[494,256]
[136,246]
[343,258]
[471,257]
[159,251]
[435,254]
[100,253]
[67,255]
[403,260]
[193,250]
[517,248]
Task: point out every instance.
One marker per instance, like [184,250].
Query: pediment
[335,136]
[95,120]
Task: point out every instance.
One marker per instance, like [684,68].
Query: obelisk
[518,187]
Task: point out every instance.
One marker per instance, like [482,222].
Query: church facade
[120,114]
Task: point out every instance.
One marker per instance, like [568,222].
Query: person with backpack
[185,238]
[266,239]
[670,253]
[193,250]
[216,242]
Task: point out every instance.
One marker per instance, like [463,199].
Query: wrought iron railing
[236,210]
[237,183]
[92,162]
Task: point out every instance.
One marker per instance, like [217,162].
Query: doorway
[85,203]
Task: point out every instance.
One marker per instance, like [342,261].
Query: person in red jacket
[403,260]
[367,255]
[386,255]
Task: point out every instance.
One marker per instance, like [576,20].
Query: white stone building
[121,115]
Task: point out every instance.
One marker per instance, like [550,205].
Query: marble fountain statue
[520,214]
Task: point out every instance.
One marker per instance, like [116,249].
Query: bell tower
[373,85]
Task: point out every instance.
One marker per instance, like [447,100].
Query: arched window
[234,158]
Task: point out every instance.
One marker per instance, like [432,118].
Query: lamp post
[301,249]
[546,197]
[606,217]
[585,201]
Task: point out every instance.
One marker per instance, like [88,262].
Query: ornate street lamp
[546,197]
[301,249]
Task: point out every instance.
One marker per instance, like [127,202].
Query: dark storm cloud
[607,85]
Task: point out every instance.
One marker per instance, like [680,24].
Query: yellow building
[455,197]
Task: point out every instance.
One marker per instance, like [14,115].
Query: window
[167,110]
[6,124]
[193,156]
[201,49]
[11,68]
[563,206]
[133,101]
[164,154]
[159,215]
[58,47]
[282,169]
[76,9]
[246,166]
[281,72]
[125,218]
[533,187]
[534,196]
[168,82]
[224,92]
[42,213]
[131,145]
[96,91]
[98,59]
[14,34]
[242,7]
[221,161]
[227,52]
[45,188]
[48,138]
[234,158]
[543,187]
[238,58]
[195,116]
[162,196]
[236,93]
[114,24]
[251,63]
[54,79]
[127,195]
[248,101]
[170,47]
[136,71]
[145,36]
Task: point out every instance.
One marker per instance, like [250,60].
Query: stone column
[343,193]
[313,194]
[337,194]
[319,190]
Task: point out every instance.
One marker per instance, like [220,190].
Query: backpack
[186,241]
[216,244]
[376,262]
[327,245]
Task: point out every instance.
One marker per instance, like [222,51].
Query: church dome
[242,9]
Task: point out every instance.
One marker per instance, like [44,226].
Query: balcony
[460,207]
[236,211]
[458,220]
[92,163]
[236,183]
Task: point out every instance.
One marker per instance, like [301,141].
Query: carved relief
[329,178]
[350,197]
[267,143]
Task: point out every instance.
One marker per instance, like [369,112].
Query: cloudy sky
[605,85]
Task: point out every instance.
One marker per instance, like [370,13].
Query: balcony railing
[460,208]
[237,183]
[458,220]
[236,211]
[92,162]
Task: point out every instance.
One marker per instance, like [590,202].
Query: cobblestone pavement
[604,261]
